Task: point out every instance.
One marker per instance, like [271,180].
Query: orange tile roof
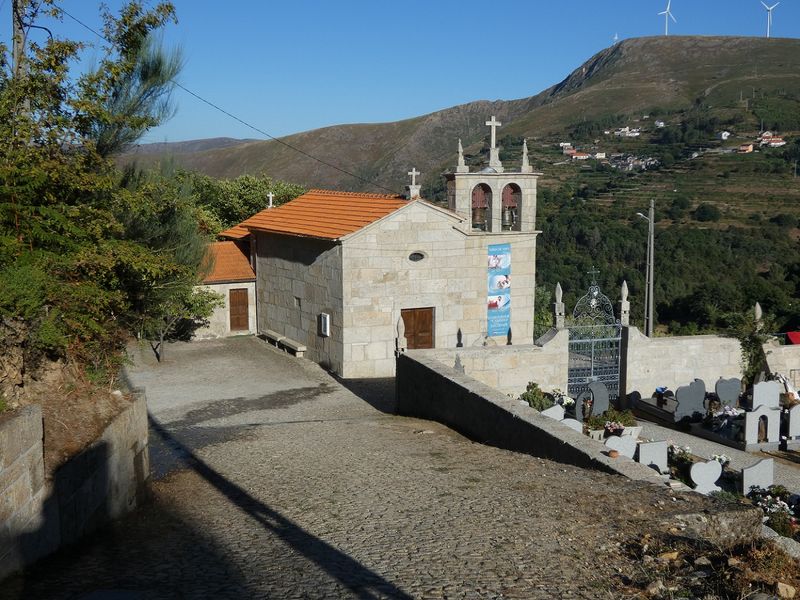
[325,214]
[236,232]
[230,264]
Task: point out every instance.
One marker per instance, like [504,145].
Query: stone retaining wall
[675,361]
[103,482]
[429,389]
[508,369]
[784,360]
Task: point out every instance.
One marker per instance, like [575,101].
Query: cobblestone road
[281,483]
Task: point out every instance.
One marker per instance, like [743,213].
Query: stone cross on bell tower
[494,152]
[414,189]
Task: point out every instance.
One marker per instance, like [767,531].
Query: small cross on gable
[270,196]
[413,172]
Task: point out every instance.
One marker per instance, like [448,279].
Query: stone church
[355,276]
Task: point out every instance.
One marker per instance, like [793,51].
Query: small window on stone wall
[298,302]
[416,256]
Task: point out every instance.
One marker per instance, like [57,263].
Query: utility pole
[18,48]
[652,245]
[649,313]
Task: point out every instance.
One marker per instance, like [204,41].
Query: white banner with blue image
[499,283]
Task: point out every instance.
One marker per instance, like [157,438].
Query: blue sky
[290,66]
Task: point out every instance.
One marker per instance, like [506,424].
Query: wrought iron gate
[594,344]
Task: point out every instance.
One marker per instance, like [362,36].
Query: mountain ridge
[672,73]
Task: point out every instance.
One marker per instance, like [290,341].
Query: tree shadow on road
[378,392]
[350,573]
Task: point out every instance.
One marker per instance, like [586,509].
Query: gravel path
[278,482]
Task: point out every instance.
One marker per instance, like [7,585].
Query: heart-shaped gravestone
[728,391]
[573,424]
[625,445]
[554,412]
[690,399]
[705,475]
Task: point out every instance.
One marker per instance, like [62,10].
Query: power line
[242,121]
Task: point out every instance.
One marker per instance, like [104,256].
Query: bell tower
[493,200]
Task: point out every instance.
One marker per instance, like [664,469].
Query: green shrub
[784,220]
[726,496]
[623,417]
[536,398]
[707,212]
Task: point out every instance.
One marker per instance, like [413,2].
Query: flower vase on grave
[596,434]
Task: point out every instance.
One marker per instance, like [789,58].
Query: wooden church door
[419,327]
[239,310]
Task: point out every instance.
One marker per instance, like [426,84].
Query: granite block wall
[38,514]
[297,279]
[508,369]
[379,281]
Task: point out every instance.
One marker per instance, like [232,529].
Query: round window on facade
[416,256]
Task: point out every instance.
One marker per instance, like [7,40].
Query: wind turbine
[769,15]
[667,16]
[616,38]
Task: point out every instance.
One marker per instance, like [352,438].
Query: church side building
[355,276]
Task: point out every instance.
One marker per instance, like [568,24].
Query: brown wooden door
[419,327]
[240,311]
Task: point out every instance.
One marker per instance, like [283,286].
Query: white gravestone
[705,475]
[761,474]
[767,393]
[654,454]
[554,412]
[794,422]
[625,445]
[751,420]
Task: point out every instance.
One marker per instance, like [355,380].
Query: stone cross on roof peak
[413,172]
[493,123]
[270,196]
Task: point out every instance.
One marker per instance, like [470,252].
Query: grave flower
[562,399]
[721,459]
[729,411]
[680,453]
[781,509]
[614,427]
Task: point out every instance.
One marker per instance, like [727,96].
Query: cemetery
[597,422]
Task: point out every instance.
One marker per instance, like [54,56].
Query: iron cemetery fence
[594,344]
